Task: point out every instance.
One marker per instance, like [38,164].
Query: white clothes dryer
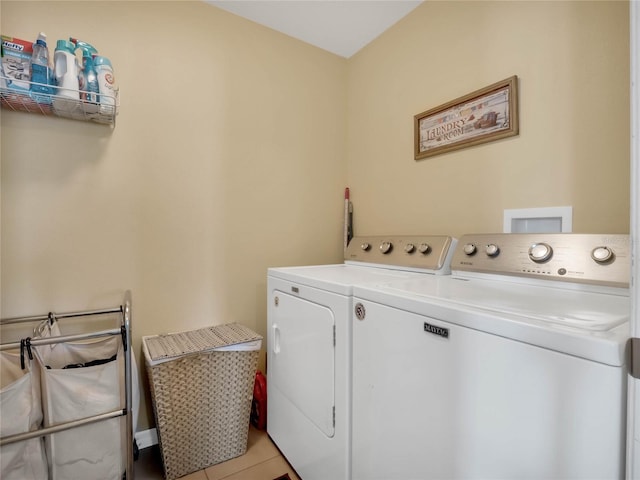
[309,345]
[513,367]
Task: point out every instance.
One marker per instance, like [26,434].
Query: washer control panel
[583,258]
[421,252]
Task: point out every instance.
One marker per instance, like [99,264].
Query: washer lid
[586,324]
[571,308]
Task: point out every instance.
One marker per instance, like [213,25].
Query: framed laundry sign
[482,116]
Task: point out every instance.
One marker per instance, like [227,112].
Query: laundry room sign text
[482,116]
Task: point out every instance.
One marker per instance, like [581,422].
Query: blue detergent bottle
[41,72]
[89,90]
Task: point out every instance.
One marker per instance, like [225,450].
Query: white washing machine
[513,367]
[309,345]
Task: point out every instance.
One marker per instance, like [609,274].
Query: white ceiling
[339,26]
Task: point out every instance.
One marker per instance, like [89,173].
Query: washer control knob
[602,254]
[365,246]
[409,248]
[540,252]
[386,247]
[469,249]
[492,250]
[424,248]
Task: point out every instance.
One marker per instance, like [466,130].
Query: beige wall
[228,157]
[572,59]
[234,144]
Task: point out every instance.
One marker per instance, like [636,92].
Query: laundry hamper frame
[124,331]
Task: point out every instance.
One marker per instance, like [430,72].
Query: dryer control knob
[365,246]
[602,254]
[386,247]
[469,249]
[424,248]
[540,252]
[492,250]
[409,248]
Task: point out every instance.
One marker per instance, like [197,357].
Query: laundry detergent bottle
[107,86]
[65,70]
[89,89]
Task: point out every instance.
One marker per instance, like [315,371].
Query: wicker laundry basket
[201,387]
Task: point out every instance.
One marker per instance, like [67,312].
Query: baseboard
[146,438]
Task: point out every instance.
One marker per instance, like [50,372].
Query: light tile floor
[263,461]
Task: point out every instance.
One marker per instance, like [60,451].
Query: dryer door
[302,361]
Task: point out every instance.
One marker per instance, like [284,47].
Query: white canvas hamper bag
[95,450]
[20,412]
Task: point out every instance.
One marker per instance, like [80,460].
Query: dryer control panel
[595,259]
[424,253]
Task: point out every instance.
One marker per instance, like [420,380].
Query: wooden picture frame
[485,115]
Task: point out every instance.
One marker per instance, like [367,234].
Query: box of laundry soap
[16,63]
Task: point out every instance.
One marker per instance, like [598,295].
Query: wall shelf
[58,106]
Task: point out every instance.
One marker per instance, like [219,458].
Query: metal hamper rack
[125,332]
